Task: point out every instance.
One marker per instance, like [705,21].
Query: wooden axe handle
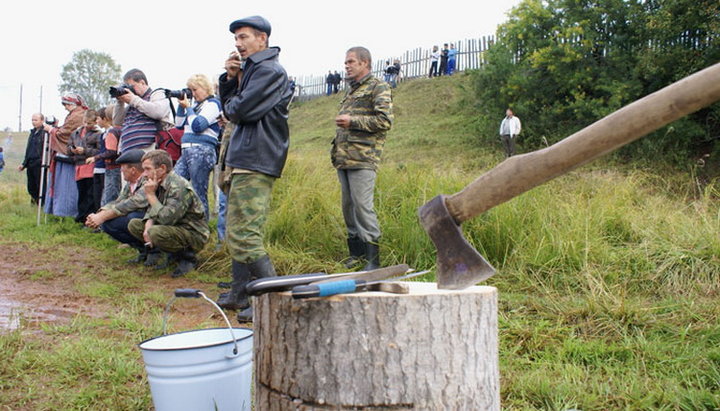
[519,174]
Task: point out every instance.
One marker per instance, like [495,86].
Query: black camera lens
[180,94]
[117,91]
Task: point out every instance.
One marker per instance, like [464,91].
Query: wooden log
[427,350]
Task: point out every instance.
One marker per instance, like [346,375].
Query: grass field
[608,277]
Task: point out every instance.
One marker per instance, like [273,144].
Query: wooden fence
[413,64]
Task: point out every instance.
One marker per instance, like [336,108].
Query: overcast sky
[170,41]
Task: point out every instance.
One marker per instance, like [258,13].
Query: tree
[563,64]
[90,74]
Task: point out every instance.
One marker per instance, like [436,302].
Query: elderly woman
[200,139]
[62,194]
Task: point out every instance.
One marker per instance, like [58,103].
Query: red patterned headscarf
[74,98]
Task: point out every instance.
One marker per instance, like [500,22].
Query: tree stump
[427,350]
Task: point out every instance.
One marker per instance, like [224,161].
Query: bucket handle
[195,293]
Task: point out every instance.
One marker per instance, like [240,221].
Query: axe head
[458,264]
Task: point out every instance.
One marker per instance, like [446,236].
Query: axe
[458,264]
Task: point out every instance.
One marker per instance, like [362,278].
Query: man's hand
[90,160]
[233,65]
[151,186]
[146,235]
[94,220]
[343,121]
[126,98]
[21,168]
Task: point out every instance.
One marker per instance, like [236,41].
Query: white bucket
[200,370]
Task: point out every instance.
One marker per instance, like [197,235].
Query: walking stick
[44,166]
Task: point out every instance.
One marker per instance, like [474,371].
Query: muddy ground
[35,288]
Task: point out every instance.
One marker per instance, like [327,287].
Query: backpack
[170,141]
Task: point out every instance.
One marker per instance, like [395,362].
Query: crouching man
[175,219]
[113,218]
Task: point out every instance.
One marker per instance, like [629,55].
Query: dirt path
[36,289]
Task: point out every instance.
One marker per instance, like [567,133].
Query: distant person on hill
[61,195]
[365,117]
[388,71]
[434,58]
[257,151]
[451,60]
[443,60]
[113,218]
[175,218]
[2,160]
[329,81]
[509,130]
[142,111]
[396,73]
[337,79]
[32,163]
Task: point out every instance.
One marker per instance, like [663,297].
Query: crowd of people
[443,61]
[139,171]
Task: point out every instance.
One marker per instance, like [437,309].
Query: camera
[179,94]
[117,91]
[51,121]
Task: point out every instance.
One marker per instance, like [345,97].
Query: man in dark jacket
[33,157]
[257,102]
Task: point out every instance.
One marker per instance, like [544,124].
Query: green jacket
[369,104]
[179,206]
[127,201]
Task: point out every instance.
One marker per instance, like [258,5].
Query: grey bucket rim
[199,346]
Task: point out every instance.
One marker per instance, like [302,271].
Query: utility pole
[20,112]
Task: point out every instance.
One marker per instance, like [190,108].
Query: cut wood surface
[427,350]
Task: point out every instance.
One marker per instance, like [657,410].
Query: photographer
[200,139]
[141,111]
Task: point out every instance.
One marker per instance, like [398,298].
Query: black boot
[356,247]
[186,263]
[153,257]
[372,255]
[260,268]
[140,258]
[236,298]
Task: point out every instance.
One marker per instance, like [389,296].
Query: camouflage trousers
[167,238]
[248,203]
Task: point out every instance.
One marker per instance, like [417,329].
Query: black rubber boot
[356,247]
[140,258]
[186,263]
[236,298]
[153,257]
[260,268]
[372,255]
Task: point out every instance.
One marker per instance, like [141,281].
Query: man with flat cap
[113,218]
[257,103]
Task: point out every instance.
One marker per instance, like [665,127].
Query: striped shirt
[138,130]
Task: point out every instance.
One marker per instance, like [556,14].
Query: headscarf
[74,98]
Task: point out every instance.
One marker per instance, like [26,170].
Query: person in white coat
[509,129]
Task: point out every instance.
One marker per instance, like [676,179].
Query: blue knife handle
[326,289]
[337,287]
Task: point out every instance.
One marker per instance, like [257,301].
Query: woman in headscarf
[62,194]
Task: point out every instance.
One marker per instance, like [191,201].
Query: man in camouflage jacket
[365,117]
[175,219]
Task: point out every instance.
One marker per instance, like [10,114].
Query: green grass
[608,277]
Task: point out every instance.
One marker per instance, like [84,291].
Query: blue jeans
[195,165]
[451,67]
[112,186]
[329,88]
[222,216]
[117,228]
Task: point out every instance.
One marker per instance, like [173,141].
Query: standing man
[257,102]
[451,59]
[509,129]
[329,81]
[443,60]
[32,163]
[365,117]
[336,82]
[142,113]
[175,218]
